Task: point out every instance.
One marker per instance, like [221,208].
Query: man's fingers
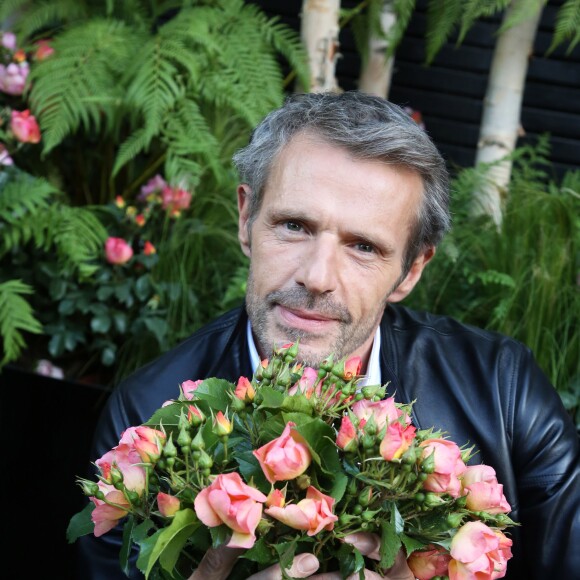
[303,566]
[366,543]
[216,564]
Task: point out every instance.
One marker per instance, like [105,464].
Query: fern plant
[521,281]
[132,90]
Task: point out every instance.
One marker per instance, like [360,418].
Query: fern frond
[403,11]
[137,142]
[520,10]
[442,18]
[23,201]
[567,26]
[79,85]
[16,316]
[475,9]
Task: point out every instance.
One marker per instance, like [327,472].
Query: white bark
[376,75]
[319,32]
[502,108]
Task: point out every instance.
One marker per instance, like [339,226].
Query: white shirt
[373,376]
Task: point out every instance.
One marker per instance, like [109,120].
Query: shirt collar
[373,376]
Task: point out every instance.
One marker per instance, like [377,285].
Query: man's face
[326,249]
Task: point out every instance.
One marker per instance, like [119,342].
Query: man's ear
[413,276]
[244,193]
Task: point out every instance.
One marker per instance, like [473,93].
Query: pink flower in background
[175,199]
[24,126]
[312,514]
[153,187]
[149,249]
[477,551]
[425,564]
[5,158]
[13,77]
[228,500]
[286,457]
[118,251]
[448,466]
[46,368]
[483,490]
[43,50]
[168,504]
[8,41]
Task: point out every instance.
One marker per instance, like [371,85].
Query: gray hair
[368,127]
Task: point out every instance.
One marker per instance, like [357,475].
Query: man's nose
[319,270]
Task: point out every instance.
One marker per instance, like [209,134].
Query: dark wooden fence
[449,92]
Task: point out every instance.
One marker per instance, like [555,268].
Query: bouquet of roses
[292,461]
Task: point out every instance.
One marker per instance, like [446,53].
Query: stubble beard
[351,334]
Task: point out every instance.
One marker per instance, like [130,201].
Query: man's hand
[218,563]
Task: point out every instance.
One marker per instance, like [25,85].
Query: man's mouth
[307,320]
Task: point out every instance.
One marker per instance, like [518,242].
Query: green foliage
[523,280]
[567,26]
[132,90]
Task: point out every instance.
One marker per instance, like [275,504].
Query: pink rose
[189,387]
[306,383]
[13,77]
[127,460]
[312,514]
[383,412]
[168,504]
[479,552]
[397,440]
[118,251]
[228,500]
[147,441]
[25,127]
[276,499]
[448,466]
[484,493]
[244,390]
[347,436]
[426,564]
[105,516]
[174,199]
[286,457]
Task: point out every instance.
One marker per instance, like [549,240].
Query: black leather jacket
[480,387]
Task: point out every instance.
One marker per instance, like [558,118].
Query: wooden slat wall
[449,92]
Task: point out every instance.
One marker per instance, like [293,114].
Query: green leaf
[143,288]
[125,550]
[286,551]
[251,470]
[105,292]
[67,306]
[411,544]
[260,553]
[81,524]
[108,355]
[272,399]
[101,323]
[339,484]
[390,545]
[158,327]
[220,535]
[350,560]
[320,438]
[120,321]
[215,392]
[171,540]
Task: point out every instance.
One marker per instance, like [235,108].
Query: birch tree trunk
[319,31]
[502,107]
[376,75]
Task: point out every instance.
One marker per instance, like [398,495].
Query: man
[342,202]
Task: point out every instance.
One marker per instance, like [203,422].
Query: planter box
[47,426]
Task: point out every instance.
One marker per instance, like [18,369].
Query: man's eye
[367,248]
[293,226]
